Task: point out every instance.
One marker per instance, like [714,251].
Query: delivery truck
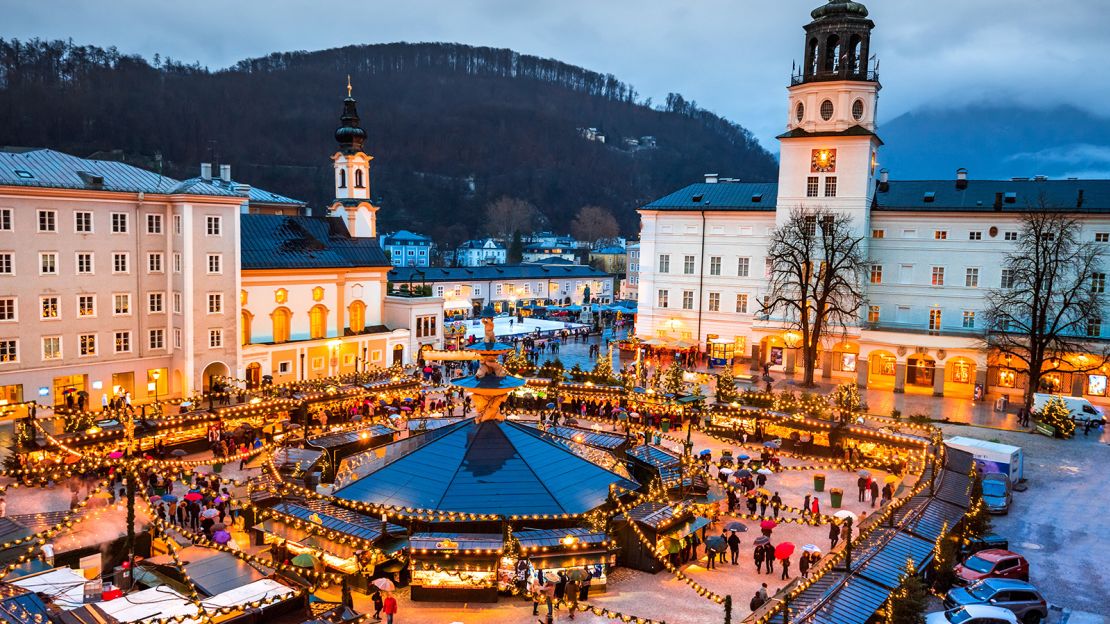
[992,456]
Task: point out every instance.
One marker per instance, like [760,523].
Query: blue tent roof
[490,468]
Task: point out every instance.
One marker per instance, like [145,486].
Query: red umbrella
[115,454]
[193,496]
[768,524]
[784,550]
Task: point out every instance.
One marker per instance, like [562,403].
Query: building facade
[480,252]
[935,245]
[405,248]
[630,285]
[115,279]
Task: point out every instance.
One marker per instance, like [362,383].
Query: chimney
[710,178]
[1079,199]
[206,171]
[998,201]
[884,180]
[961,178]
[241,189]
[225,173]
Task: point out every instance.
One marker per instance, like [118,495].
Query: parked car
[992,563]
[997,493]
[1023,599]
[990,540]
[972,614]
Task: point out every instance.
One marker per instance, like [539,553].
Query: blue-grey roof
[981,195]
[754,196]
[493,272]
[553,538]
[852,603]
[462,541]
[19,606]
[284,242]
[479,243]
[47,168]
[339,519]
[589,437]
[499,468]
[255,195]
[611,249]
[342,438]
[540,247]
[888,564]
[405,236]
[653,456]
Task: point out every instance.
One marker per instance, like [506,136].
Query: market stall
[560,550]
[455,567]
[342,444]
[664,526]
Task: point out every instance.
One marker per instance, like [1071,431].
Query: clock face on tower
[823,161]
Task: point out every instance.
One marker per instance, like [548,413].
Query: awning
[688,527]
[546,561]
[291,533]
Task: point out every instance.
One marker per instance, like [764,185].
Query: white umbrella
[727,471]
[811,548]
[844,514]
[384,584]
[210,513]
[864,473]
[551,576]
[765,471]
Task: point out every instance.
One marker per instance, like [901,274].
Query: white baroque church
[935,245]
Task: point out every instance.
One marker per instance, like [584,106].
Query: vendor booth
[455,567]
[664,526]
[560,550]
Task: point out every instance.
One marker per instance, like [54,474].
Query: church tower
[830,150]
[352,173]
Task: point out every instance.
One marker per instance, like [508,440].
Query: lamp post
[156,375]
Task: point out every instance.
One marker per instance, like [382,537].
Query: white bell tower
[351,167]
[829,151]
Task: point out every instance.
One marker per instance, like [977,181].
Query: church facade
[935,245]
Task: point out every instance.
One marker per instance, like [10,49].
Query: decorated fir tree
[977,522]
[847,398]
[657,379]
[516,361]
[1057,415]
[603,367]
[726,386]
[907,604]
[672,380]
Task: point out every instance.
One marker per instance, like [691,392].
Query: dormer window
[929,197]
[1010,198]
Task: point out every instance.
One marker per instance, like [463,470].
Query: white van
[1081,409]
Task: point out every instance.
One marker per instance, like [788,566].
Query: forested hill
[451,127]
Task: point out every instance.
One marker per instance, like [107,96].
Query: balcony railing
[870,75]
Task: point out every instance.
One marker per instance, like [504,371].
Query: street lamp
[156,375]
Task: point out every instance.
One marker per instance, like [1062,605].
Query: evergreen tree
[726,386]
[1056,414]
[516,362]
[516,249]
[603,367]
[977,522]
[907,604]
[945,552]
[847,397]
[672,382]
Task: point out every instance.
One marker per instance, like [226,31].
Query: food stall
[455,567]
[559,550]
[339,445]
[659,523]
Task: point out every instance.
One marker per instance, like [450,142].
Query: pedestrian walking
[785,568]
[776,502]
[834,536]
[572,597]
[389,607]
[734,546]
[805,506]
[816,509]
[757,554]
[769,558]
[861,483]
[803,564]
[376,598]
[584,590]
[874,493]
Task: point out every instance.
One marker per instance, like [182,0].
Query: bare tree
[593,224]
[817,263]
[1049,304]
[510,214]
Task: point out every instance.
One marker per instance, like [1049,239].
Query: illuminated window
[876,274]
[872,314]
[934,319]
[318,322]
[357,315]
[245,319]
[281,295]
[938,276]
[281,318]
[318,294]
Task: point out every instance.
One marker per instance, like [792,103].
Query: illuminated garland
[71,519]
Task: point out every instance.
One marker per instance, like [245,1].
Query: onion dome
[349,134]
[837,8]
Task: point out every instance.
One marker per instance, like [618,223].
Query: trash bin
[665,425]
[819,482]
[836,497]
[656,439]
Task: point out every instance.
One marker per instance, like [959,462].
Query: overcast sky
[732,56]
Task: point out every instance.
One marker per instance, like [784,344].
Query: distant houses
[407,248]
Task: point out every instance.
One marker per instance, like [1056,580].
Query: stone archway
[213,373]
[920,370]
[881,367]
[254,375]
[959,377]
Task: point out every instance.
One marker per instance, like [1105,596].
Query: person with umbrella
[769,556]
[757,554]
[776,502]
[734,545]
[571,591]
[782,553]
[376,598]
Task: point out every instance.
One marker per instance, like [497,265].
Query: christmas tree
[1057,415]
[977,522]
[907,604]
[726,386]
[672,380]
[603,367]
[847,397]
[516,362]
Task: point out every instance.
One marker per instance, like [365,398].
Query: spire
[350,135]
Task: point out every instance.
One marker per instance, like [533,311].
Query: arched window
[855,50]
[342,178]
[358,179]
[281,318]
[811,56]
[832,53]
[245,319]
[317,322]
[357,317]
[800,112]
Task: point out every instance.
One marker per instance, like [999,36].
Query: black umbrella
[737,526]
[715,543]
[759,541]
[178,453]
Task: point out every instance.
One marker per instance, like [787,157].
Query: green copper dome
[839,7]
